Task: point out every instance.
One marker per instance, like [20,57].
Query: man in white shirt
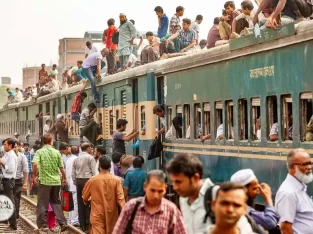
[54,71]
[196,26]
[90,49]
[8,165]
[220,132]
[132,62]
[293,203]
[73,215]
[93,64]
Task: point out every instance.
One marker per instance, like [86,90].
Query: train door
[135,113]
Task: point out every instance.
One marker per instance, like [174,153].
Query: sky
[31,29]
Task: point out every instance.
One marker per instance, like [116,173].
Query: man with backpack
[196,195]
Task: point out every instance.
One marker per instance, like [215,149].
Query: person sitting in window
[220,134]
[308,135]
[177,124]
[275,129]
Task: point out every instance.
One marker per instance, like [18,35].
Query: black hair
[229,4]
[187,21]
[26,144]
[116,157]
[142,159]
[63,146]
[180,8]
[92,105]
[36,147]
[203,42]
[54,65]
[101,149]
[75,149]
[199,17]
[80,62]
[121,122]
[159,9]
[111,22]
[84,94]
[104,163]
[133,21]
[137,163]
[216,20]
[158,108]
[160,175]
[230,186]
[149,34]
[88,43]
[48,121]
[8,89]
[247,5]
[10,141]
[84,146]
[185,163]
[177,123]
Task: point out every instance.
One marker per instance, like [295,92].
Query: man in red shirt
[77,104]
[111,47]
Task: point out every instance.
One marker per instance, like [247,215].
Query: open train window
[306,118]
[143,116]
[206,118]
[219,119]
[198,121]
[272,118]
[186,121]
[230,120]
[243,119]
[111,121]
[256,119]
[169,116]
[286,101]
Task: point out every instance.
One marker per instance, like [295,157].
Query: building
[30,75]
[5,80]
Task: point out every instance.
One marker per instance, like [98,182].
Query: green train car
[247,86]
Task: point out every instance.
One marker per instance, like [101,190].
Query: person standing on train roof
[160,112]
[42,75]
[111,57]
[196,26]
[47,163]
[268,218]
[153,214]
[127,34]
[76,108]
[106,196]
[186,174]
[162,21]
[292,200]
[93,64]
[175,20]
[119,139]
[90,49]
[135,47]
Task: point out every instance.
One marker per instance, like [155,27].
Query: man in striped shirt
[175,20]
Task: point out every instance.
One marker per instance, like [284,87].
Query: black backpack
[115,37]
[208,197]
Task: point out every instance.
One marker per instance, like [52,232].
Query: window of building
[123,104]
[256,118]
[186,121]
[143,116]
[198,121]
[111,121]
[286,101]
[306,118]
[272,118]
[218,116]
[206,118]
[243,119]
[230,120]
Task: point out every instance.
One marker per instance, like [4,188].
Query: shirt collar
[143,205]
[296,184]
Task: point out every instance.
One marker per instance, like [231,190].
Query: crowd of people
[113,194]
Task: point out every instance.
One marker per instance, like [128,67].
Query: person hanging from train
[92,66]
[119,139]
[160,112]
[87,124]
[61,128]
[76,108]
[268,218]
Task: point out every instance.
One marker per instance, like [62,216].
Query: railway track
[27,221]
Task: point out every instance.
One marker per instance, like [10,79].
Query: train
[250,79]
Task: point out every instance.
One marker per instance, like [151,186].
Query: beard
[304,178]
[122,22]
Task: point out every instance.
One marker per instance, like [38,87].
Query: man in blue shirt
[162,21]
[135,180]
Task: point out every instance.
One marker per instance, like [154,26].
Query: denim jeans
[75,116]
[89,73]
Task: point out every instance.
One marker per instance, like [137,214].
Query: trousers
[73,215]
[83,210]
[17,195]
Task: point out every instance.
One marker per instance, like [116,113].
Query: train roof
[303,32]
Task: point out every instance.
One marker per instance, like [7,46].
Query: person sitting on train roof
[292,200]
[87,125]
[93,63]
[220,132]
[173,46]
[275,129]
[51,87]
[268,218]
[227,19]
[18,95]
[11,95]
[160,112]
[131,63]
[214,34]
[151,52]
[243,20]
[76,108]
[203,44]
[188,37]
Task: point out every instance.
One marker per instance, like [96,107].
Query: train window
[230,120]
[186,121]
[169,116]
[123,103]
[286,101]
[179,111]
[243,119]
[111,121]
[256,118]
[143,117]
[306,118]
[117,115]
[219,119]
[206,119]
[198,121]
[272,118]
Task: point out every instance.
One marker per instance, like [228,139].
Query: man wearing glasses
[293,204]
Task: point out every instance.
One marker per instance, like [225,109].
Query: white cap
[243,177]
[16,134]
[60,116]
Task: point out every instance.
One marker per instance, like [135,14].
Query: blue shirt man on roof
[162,21]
